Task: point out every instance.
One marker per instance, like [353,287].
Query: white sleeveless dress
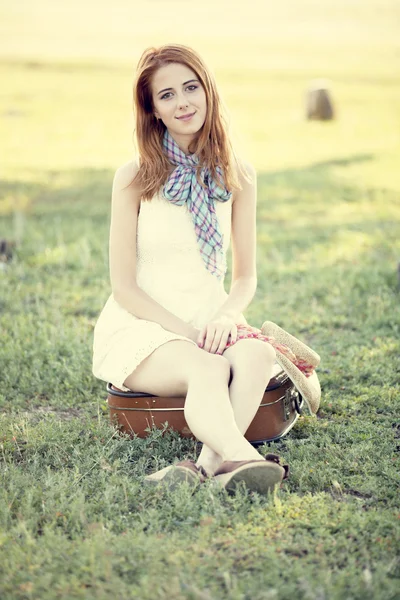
[170,270]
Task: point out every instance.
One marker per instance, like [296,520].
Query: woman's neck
[183,142]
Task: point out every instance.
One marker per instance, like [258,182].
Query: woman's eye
[191,88]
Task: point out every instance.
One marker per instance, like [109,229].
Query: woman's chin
[192,130]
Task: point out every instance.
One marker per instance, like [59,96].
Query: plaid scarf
[182,187]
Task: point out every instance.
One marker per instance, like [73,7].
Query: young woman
[169,327]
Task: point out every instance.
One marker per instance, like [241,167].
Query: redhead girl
[169,328]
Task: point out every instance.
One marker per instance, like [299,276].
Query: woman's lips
[186,117]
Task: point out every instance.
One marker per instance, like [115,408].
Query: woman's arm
[125,206]
[243,239]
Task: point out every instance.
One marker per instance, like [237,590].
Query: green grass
[75,519]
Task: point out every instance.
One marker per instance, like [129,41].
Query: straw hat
[308,387]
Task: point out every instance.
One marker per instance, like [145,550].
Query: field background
[75,520]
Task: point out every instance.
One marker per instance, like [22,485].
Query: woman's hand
[214,335]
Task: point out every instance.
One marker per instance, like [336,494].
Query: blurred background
[67,68]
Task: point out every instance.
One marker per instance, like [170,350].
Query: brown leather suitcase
[135,412]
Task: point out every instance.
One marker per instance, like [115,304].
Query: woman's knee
[251,352]
[208,365]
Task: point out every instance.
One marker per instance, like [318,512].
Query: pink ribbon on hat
[249,332]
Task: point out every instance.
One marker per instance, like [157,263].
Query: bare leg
[179,367]
[252,364]
[209,414]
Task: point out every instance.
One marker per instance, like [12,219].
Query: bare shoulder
[247,177]
[125,174]
[246,170]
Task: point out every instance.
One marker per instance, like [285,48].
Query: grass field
[75,519]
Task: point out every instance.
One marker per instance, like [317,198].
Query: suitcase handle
[298,402]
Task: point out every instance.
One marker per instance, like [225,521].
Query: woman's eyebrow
[186,82]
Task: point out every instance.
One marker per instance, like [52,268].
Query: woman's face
[177,92]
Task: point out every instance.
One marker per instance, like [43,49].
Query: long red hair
[212,144]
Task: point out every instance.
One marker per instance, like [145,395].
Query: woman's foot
[172,476]
[210,466]
[261,476]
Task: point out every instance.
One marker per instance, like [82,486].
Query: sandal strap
[273,458]
[276,459]
[191,465]
[286,474]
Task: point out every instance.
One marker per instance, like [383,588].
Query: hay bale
[6,250]
[319,104]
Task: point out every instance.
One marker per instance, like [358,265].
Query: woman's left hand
[215,335]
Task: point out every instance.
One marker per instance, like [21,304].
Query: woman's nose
[182,102]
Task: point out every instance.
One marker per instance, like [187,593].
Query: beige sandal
[185,471]
[261,476]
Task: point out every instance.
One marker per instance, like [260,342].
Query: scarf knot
[182,187]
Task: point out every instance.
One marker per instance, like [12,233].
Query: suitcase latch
[292,401]
[287,404]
